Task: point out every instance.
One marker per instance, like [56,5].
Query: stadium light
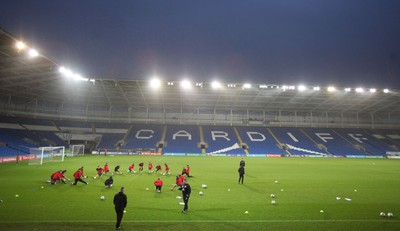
[199,85]
[359,90]
[246,86]
[216,85]
[170,83]
[301,88]
[231,85]
[316,88]
[20,45]
[33,53]
[155,83]
[331,89]
[372,90]
[347,89]
[386,90]
[185,84]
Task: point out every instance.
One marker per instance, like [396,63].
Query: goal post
[77,149]
[47,154]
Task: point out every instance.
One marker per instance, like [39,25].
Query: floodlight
[284,87]
[216,85]
[155,83]
[231,85]
[20,45]
[62,69]
[291,87]
[170,83]
[199,85]
[33,53]
[331,89]
[79,77]
[301,88]
[347,89]
[317,88]
[246,86]
[185,84]
[359,90]
[372,90]
[385,90]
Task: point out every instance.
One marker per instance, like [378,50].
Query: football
[390,214]
[102,198]
[382,214]
[273,202]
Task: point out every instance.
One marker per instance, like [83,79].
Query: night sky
[313,42]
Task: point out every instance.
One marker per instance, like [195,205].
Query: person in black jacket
[241,174]
[186,190]
[120,202]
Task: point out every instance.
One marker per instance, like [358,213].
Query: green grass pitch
[305,187]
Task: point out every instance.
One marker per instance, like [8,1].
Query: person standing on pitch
[120,202]
[241,174]
[186,190]
[242,163]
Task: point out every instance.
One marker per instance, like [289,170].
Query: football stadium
[316,157]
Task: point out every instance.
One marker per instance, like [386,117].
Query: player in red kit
[178,181]
[77,176]
[57,176]
[166,169]
[188,171]
[158,168]
[158,183]
[150,167]
[141,164]
[106,169]
[99,172]
[131,167]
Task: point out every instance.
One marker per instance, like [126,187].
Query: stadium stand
[182,139]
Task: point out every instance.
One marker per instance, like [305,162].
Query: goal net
[77,149]
[47,154]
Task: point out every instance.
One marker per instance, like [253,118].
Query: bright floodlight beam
[33,53]
[301,88]
[216,85]
[155,83]
[331,89]
[359,90]
[246,86]
[20,45]
[185,84]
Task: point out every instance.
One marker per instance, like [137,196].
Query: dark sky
[343,42]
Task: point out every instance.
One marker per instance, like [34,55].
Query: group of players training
[101,171]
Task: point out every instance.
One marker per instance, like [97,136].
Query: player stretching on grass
[131,167]
[158,168]
[106,169]
[116,170]
[158,183]
[141,164]
[167,169]
[150,167]
[99,172]
[178,181]
[77,176]
[57,176]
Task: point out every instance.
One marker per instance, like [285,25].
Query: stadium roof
[37,81]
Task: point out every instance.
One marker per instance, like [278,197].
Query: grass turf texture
[305,187]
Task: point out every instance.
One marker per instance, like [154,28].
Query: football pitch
[310,194]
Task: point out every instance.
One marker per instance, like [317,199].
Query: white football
[200,193]
[102,198]
[273,195]
[390,214]
[382,214]
[273,202]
